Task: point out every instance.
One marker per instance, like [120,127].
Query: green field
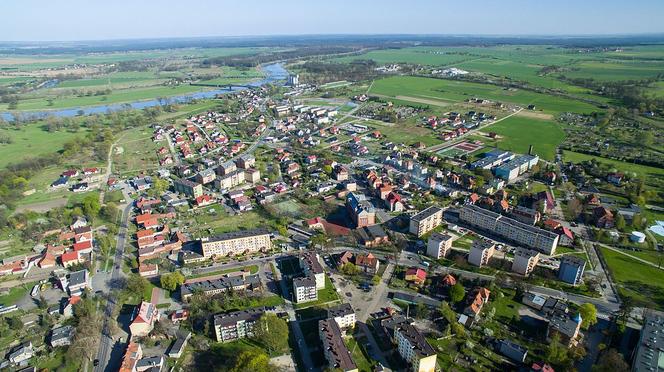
[31,140]
[417,55]
[459,91]
[521,132]
[644,283]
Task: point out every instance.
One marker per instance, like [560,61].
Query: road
[107,342]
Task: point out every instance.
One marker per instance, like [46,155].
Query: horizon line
[248,36]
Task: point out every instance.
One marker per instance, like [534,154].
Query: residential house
[144,319]
[416,276]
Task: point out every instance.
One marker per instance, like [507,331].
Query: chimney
[530,150]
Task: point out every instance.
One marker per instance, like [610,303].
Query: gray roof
[304,282]
[62,332]
[310,261]
[77,278]
[649,354]
[563,323]
[426,213]
[150,362]
[223,284]
[250,315]
[419,344]
[337,350]
[340,311]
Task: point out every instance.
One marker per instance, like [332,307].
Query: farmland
[459,91]
[521,132]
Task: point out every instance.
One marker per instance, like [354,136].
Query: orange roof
[144,233]
[74,300]
[69,256]
[86,244]
[449,280]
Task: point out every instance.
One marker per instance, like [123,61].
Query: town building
[415,349]
[342,314]
[415,275]
[525,261]
[481,252]
[373,236]
[61,336]
[310,265]
[519,165]
[230,180]
[565,326]
[571,269]
[361,211]
[132,355]
[523,234]
[439,245]
[189,188]
[304,290]
[178,345]
[238,242]
[144,319]
[648,354]
[426,221]
[336,353]
[368,263]
[237,324]
[513,351]
[236,283]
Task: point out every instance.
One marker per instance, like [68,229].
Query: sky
[70,20]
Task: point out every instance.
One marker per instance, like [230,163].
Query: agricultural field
[417,55]
[454,91]
[135,152]
[520,132]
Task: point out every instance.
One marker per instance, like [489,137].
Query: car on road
[349,294]
[96,362]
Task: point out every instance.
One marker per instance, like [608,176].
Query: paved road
[107,343]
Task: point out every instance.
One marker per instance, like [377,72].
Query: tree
[171,281]
[556,353]
[91,206]
[43,304]
[457,293]
[611,360]
[272,332]
[349,268]
[447,312]
[320,239]
[620,222]
[159,186]
[136,285]
[588,313]
[422,311]
[375,279]
[252,360]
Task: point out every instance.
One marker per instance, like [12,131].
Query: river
[274,72]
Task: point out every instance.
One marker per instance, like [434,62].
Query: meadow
[521,132]
[654,176]
[403,87]
[31,140]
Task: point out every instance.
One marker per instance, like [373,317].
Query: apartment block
[336,353]
[230,180]
[571,269]
[189,188]
[520,233]
[439,245]
[238,242]
[415,349]
[525,261]
[426,221]
[237,324]
[481,252]
[304,289]
[342,314]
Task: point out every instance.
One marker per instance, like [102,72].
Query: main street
[107,341]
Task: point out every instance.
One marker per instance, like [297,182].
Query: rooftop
[250,315]
[649,356]
[417,342]
[426,213]
[336,349]
[219,284]
[340,311]
[236,235]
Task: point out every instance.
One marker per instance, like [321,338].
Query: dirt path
[42,206]
[535,115]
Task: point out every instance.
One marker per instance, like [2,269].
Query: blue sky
[39,20]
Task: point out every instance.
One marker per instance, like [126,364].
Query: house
[571,269]
[178,345]
[179,315]
[154,363]
[416,276]
[615,178]
[78,281]
[61,336]
[476,300]
[47,260]
[603,218]
[513,351]
[68,306]
[144,319]
[147,270]
[367,263]
[21,353]
[448,280]
[204,200]
[132,355]
[394,203]
[567,327]
[541,367]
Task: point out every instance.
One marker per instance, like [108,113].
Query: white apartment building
[238,242]
[439,245]
[480,252]
[426,221]
[415,349]
[525,261]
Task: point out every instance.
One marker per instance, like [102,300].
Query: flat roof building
[649,355]
[426,221]
[571,269]
[336,353]
[525,261]
[439,245]
[237,242]
[415,349]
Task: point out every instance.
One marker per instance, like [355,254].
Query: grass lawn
[15,294]
[359,354]
[521,132]
[459,91]
[328,294]
[644,283]
[138,151]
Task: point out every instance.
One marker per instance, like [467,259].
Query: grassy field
[655,175]
[138,151]
[418,55]
[31,140]
[403,87]
[521,132]
[644,283]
